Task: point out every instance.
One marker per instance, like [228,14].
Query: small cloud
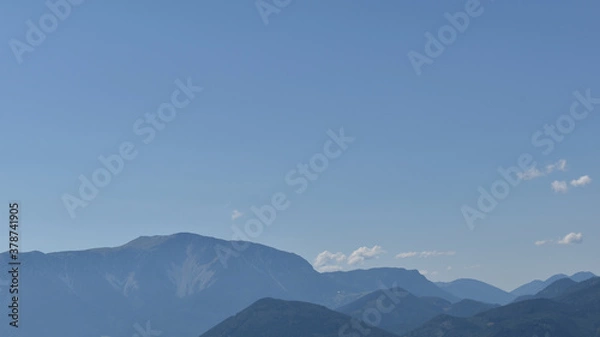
[571,238]
[560,165]
[425,254]
[236,214]
[406,255]
[582,181]
[530,174]
[364,253]
[559,186]
[543,242]
[328,261]
[534,172]
[436,253]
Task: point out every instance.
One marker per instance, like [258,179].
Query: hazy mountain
[365,281]
[182,284]
[576,313]
[476,290]
[400,311]
[277,318]
[406,311]
[553,290]
[167,280]
[536,286]
[582,276]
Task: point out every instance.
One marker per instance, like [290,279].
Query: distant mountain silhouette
[476,290]
[277,318]
[365,281]
[553,290]
[536,286]
[575,313]
[582,276]
[402,311]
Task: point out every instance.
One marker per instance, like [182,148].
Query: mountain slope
[109,290]
[275,318]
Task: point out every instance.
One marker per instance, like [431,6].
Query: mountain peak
[148,242]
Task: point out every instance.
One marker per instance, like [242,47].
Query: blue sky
[423,144]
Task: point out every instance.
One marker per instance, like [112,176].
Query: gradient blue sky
[424,144]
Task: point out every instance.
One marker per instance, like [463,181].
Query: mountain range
[405,311]
[572,312]
[536,286]
[180,285]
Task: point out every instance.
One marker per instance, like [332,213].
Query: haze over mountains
[476,290]
[572,312]
[536,286]
[179,284]
[407,311]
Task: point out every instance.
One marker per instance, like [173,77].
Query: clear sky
[423,143]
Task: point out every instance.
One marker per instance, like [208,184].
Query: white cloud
[436,253]
[559,186]
[328,261]
[582,181]
[236,214]
[426,272]
[364,253]
[560,165]
[532,173]
[425,254]
[571,238]
[406,255]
